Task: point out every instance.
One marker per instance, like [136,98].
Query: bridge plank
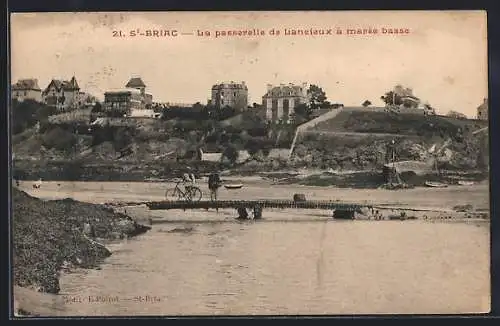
[312,204]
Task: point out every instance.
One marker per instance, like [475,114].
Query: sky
[442,57]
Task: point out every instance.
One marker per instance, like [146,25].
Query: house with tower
[131,101]
[138,83]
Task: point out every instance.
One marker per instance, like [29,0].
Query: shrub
[122,138]
[27,113]
[59,139]
[231,154]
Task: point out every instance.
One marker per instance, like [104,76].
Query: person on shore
[37,184]
[214,184]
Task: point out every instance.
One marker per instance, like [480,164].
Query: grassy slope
[366,121]
[369,131]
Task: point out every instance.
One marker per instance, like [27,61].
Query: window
[222,93]
[222,102]
[25,93]
[234,94]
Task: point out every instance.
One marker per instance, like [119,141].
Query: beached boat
[465,183]
[233,186]
[433,184]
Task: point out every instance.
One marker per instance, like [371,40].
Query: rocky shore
[49,236]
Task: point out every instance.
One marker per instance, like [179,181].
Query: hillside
[77,135]
[357,138]
[376,120]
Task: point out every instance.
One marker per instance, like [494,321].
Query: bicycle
[191,193]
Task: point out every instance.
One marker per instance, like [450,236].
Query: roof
[231,85]
[282,90]
[63,84]
[26,84]
[123,91]
[135,82]
[410,97]
[212,157]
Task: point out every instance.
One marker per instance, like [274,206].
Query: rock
[186,229]
[242,212]
[343,214]
[299,197]
[47,237]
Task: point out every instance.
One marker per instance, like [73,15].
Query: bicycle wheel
[172,194]
[195,194]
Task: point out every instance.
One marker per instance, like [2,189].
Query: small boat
[233,186]
[465,183]
[433,184]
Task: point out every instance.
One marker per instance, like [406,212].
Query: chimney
[269,87]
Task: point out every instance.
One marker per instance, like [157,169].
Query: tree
[303,110]
[59,139]
[366,103]
[198,107]
[391,98]
[97,108]
[231,154]
[317,97]
[26,114]
[252,146]
[122,138]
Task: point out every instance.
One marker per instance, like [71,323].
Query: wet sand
[255,188]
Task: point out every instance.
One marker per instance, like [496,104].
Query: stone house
[280,101]
[231,94]
[26,89]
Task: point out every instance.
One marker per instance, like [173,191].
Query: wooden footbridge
[257,206]
[341,210]
[276,203]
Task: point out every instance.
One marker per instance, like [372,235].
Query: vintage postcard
[249,163]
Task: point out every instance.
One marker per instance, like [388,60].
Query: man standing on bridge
[214,184]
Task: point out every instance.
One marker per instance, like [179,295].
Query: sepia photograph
[249,163]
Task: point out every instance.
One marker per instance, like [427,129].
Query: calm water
[281,266]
